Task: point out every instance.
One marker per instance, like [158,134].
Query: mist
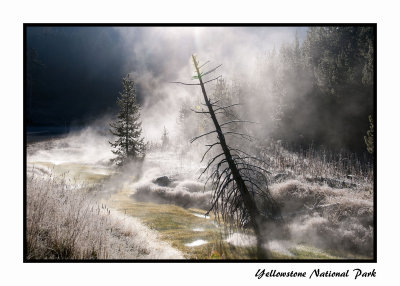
[86,65]
[307,128]
[74,77]
[159,56]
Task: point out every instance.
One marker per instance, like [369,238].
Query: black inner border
[26,25]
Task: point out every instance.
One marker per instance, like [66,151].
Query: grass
[76,172]
[176,226]
[308,252]
[55,233]
[63,222]
[317,164]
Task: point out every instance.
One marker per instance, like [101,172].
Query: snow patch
[241,239]
[201,215]
[196,243]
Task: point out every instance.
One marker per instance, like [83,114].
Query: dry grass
[321,166]
[329,218]
[63,222]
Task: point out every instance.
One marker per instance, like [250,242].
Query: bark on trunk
[249,203]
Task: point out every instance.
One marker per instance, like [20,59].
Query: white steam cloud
[156,56]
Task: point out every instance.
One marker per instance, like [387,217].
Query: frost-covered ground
[64,222]
[329,213]
[65,217]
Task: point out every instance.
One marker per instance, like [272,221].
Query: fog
[345,224]
[321,204]
[154,56]
[159,56]
[301,84]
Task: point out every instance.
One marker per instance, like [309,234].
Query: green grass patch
[76,172]
[180,227]
[309,252]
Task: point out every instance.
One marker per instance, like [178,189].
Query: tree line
[316,92]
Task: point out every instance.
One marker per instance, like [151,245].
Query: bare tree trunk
[249,203]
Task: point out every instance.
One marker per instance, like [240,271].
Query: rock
[163,181]
[279,177]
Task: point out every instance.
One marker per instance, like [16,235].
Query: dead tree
[240,191]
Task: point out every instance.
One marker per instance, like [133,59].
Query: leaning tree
[239,180]
[129,144]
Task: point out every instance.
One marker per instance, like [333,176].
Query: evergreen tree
[186,122]
[369,139]
[164,139]
[183,115]
[129,144]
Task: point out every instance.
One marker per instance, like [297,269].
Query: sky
[76,72]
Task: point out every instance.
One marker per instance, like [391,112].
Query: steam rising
[157,56]
[342,218]
[326,215]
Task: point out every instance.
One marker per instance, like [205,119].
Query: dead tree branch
[234,187]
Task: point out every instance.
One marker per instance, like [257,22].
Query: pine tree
[369,139]
[186,121]
[164,139]
[129,144]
